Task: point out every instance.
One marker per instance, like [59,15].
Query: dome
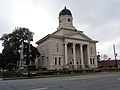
[65,12]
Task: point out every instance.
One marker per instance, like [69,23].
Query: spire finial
[65,7]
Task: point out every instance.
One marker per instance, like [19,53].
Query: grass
[61,73]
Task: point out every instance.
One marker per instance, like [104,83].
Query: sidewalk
[1,79]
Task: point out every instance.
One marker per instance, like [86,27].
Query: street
[101,81]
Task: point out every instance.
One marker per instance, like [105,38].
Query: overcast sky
[99,19]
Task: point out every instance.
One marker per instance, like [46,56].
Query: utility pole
[114,51]
[115,54]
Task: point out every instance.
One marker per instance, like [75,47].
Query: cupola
[65,19]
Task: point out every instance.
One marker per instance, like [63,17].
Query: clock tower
[66,19]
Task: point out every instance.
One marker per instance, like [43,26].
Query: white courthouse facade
[66,48]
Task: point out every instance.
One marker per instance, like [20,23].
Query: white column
[88,53]
[81,54]
[74,54]
[66,56]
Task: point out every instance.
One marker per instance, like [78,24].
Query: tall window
[59,60]
[91,49]
[55,60]
[47,60]
[72,50]
[80,61]
[91,61]
[57,47]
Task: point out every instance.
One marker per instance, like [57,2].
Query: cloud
[99,19]
[5,15]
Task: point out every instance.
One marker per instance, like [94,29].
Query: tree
[98,60]
[98,57]
[1,59]
[14,39]
[10,56]
[30,56]
[105,57]
[12,42]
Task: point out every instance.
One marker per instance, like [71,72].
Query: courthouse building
[67,47]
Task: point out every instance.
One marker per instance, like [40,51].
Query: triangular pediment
[63,31]
[78,35]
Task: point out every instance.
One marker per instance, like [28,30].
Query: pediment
[63,31]
[78,35]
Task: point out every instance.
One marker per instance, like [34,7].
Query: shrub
[7,74]
[32,68]
[11,66]
[18,74]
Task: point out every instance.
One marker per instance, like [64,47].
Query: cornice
[63,37]
[44,38]
[48,36]
[63,28]
[92,41]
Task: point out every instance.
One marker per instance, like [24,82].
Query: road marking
[90,77]
[44,88]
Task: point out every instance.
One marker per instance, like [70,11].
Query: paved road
[103,81]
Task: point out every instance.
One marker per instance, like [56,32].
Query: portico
[74,55]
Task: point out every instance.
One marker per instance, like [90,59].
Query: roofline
[44,38]
[62,28]
[62,37]
[80,32]
[47,36]
[92,41]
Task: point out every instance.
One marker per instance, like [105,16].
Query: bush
[18,74]
[1,73]
[42,68]
[11,66]
[32,68]
[7,74]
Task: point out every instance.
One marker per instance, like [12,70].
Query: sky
[98,19]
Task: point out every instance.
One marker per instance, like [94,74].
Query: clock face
[69,20]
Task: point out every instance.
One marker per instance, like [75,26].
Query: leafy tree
[98,60]
[98,57]
[12,42]
[1,59]
[9,56]
[14,39]
[105,57]
[30,56]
